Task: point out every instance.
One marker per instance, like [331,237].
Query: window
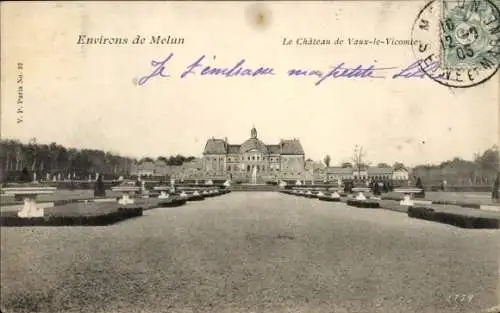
[253,157]
[258,168]
[248,168]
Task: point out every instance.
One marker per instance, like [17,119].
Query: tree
[489,160]
[358,159]
[327,160]
[346,165]
[146,159]
[383,165]
[162,158]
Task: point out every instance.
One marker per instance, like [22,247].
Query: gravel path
[251,252]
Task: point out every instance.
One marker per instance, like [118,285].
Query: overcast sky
[87,96]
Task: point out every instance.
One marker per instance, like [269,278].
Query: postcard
[336,156]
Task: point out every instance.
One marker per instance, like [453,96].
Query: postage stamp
[457,43]
[470,33]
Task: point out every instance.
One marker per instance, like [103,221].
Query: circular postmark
[457,42]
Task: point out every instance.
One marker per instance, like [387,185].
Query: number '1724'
[461,298]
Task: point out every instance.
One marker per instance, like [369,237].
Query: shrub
[466,221]
[421,213]
[363,203]
[94,220]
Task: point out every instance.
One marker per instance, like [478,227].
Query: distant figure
[25,176]
[419,185]
[442,186]
[348,187]
[390,186]
[376,189]
[495,192]
[385,187]
[99,190]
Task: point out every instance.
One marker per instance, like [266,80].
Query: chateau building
[253,157]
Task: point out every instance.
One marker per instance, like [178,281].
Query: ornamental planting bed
[457,216]
[363,203]
[171,202]
[468,200]
[199,197]
[328,197]
[75,214]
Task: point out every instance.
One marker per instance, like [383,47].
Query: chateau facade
[284,160]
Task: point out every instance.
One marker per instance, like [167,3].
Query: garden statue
[27,190]
[99,190]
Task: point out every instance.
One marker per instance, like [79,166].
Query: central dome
[253,144]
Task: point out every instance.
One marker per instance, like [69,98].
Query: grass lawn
[251,252]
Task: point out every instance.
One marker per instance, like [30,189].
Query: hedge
[455,219]
[82,220]
[363,203]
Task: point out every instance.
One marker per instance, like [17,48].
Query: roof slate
[274,149]
[233,149]
[380,171]
[292,146]
[215,146]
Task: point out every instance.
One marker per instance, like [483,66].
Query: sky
[87,96]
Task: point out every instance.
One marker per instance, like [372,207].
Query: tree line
[172,160]
[55,159]
[483,169]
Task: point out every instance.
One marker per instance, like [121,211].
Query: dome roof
[253,144]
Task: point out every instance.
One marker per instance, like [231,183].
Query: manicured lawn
[251,252]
